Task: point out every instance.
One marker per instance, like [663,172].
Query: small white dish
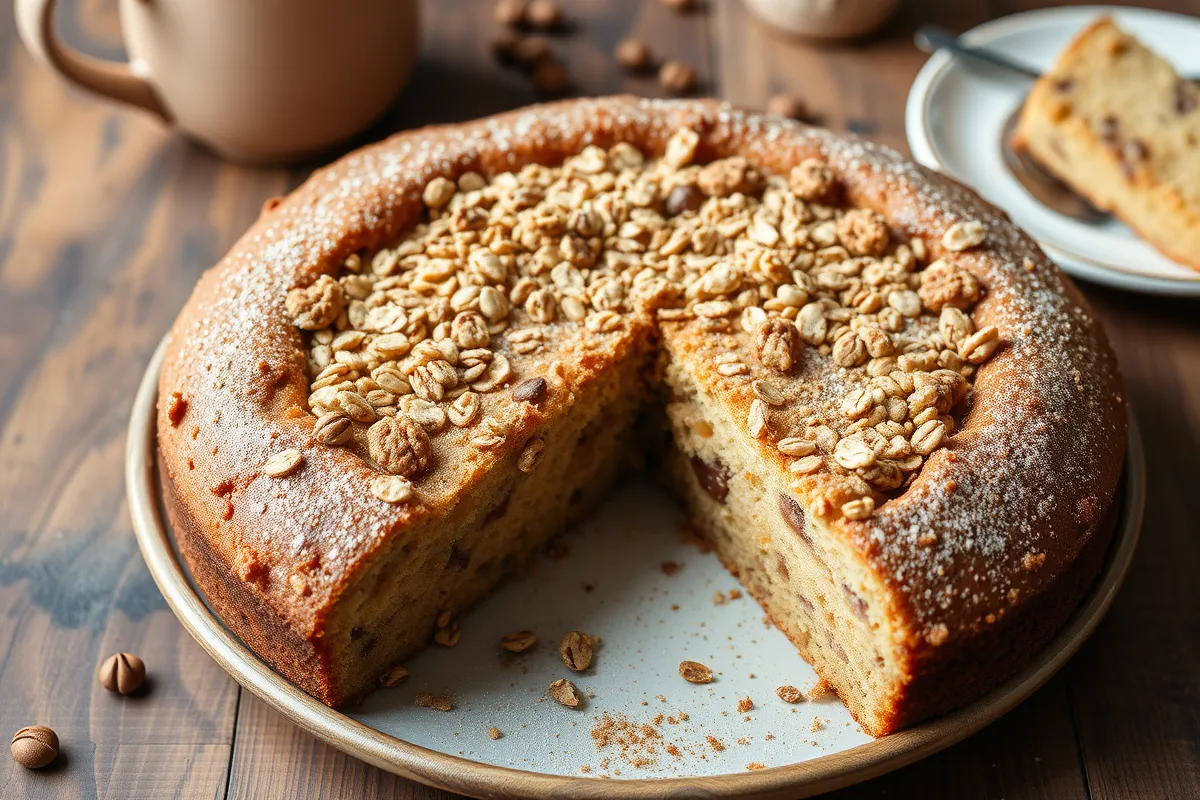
[955,115]
[619,552]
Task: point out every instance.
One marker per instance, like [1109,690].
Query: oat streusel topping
[425,337]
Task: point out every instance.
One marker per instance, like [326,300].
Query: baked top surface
[1011,499]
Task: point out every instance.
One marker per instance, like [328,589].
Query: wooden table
[106,220]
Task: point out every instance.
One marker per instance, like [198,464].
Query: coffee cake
[895,420]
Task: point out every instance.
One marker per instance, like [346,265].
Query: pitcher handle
[115,80]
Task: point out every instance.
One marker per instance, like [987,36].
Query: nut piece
[677,77]
[283,463]
[633,55]
[530,390]
[964,235]
[393,676]
[316,306]
[943,284]
[35,746]
[812,180]
[392,489]
[789,694]
[400,446]
[864,232]
[729,175]
[786,105]
[495,733]
[122,673]
[518,641]
[565,693]
[979,346]
[861,508]
[695,672]
[575,650]
[684,197]
[850,350]
[531,456]
[779,345]
[438,192]
[332,428]
[469,330]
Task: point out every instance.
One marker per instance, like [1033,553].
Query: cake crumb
[669,568]
[756,765]
[745,704]
[495,733]
[744,740]
[585,769]
[714,743]
[818,689]
[719,598]
[768,736]
[735,594]
[817,725]
[439,702]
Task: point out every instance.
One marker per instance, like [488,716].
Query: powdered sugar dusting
[1030,473]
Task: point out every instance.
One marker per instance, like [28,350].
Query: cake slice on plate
[1122,128]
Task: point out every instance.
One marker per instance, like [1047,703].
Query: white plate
[631,604]
[955,115]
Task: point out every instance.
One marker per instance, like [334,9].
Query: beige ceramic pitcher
[256,80]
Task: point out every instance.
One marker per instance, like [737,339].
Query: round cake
[888,413]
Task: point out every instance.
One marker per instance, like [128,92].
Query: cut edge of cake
[1117,124]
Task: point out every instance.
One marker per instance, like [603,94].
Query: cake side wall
[251,618]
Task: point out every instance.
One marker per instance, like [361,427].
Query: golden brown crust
[1014,500]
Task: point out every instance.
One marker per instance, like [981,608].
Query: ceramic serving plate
[956,113]
[629,576]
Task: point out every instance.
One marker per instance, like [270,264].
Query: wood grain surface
[106,220]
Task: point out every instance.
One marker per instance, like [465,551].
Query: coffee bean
[633,55]
[509,12]
[677,77]
[123,673]
[34,747]
[544,14]
[786,105]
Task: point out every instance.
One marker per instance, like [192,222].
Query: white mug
[256,80]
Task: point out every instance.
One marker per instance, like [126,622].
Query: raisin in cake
[1120,127]
[896,421]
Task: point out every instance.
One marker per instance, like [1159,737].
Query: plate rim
[462,775]
[920,142]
